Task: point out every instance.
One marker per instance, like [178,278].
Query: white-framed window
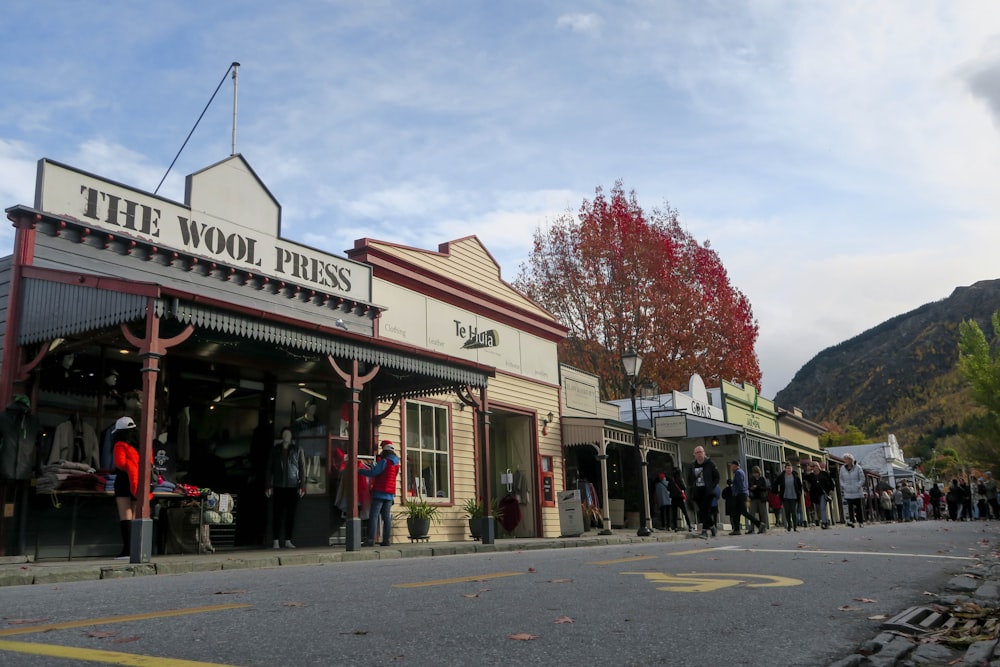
[428,451]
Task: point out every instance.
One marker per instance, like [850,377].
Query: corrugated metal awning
[58,310]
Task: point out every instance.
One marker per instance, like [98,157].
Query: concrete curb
[22,570]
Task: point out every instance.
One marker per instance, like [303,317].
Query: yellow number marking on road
[458,580]
[707,582]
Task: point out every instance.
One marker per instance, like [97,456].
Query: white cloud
[585,23]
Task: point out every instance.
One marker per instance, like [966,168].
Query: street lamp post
[632,362]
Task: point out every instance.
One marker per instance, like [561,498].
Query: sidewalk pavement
[23,570]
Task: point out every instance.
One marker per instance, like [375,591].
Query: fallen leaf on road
[564,619]
[847,607]
[232,592]
[100,634]
[294,604]
[522,636]
[878,617]
[864,600]
[560,581]
[531,569]
[470,595]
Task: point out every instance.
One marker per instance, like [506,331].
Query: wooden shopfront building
[220,330]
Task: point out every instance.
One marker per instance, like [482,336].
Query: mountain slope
[899,377]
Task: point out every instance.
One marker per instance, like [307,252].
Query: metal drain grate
[917,620]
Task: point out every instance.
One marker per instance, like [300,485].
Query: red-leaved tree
[620,279]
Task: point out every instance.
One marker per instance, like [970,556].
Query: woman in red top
[126,460]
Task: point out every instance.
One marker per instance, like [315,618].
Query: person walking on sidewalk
[702,481]
[852,485]
[663,502]
[826,486]
[679,499]
[741,491]
[383,492]
[788,486]
[758,499]
[126,462]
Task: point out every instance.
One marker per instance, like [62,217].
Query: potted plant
[475,509]
[419,514]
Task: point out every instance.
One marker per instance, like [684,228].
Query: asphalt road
[806,598]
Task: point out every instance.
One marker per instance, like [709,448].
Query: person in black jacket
[758,500]
[788,486]
[702,478]
[936,494]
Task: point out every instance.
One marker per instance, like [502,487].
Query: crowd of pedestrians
[795,501]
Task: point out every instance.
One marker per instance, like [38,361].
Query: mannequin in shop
[110,388]
[18,447]
[284,484]
[18,434]
[75,440]
[308,424]
[126,462]
[68,377]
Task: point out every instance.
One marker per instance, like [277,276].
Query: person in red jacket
[126,462]
[384,475]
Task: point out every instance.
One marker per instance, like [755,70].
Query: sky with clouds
[842,157]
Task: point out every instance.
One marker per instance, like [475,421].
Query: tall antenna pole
[221,81]
[236,87]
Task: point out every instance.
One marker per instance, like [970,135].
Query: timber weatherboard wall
[468,263]
[6,270]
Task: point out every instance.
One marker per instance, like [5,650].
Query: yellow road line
[457,580]
[826,552]
[691,552]
[622,560]
[118,619]
[104,657]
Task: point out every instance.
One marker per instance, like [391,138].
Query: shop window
[428,451]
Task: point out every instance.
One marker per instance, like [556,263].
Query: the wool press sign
[233,239]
